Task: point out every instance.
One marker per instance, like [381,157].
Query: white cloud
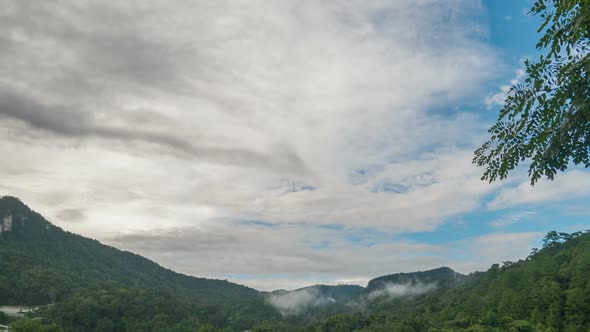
[156,117]
[504,246]
[498,98]
[512,218]
[218,108]
[571,184]
[270,257]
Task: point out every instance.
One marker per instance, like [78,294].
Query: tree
[29,325]
[546,119]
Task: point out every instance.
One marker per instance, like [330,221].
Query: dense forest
[79,284]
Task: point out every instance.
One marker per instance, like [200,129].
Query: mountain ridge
[96,287]
[71,251]
[42,229]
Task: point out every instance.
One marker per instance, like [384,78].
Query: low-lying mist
[393,290]
[296,302]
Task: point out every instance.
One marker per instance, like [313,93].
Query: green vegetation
[30,325]
[82,280]
[82,285]
[546,119]
[548,291]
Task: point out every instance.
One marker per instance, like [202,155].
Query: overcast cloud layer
[254,139]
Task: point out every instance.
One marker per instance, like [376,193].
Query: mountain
[332,293]
[313,303]
[42,264]
[36,243]
[441,277]
[337,293]
[388,286]
[80,284]
[546,291]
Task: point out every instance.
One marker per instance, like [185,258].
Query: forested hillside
[82,285]
[443,277]
[41,264]
[547,291]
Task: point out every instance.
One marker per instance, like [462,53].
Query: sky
[276,144]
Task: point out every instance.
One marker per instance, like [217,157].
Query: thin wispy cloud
[497,99]
[512,218]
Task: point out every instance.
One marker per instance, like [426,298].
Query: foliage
[546,119]
[30,325]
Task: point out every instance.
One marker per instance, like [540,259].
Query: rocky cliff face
[6,223]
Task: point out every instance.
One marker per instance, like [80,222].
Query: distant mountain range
[83,285]
[384,287]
